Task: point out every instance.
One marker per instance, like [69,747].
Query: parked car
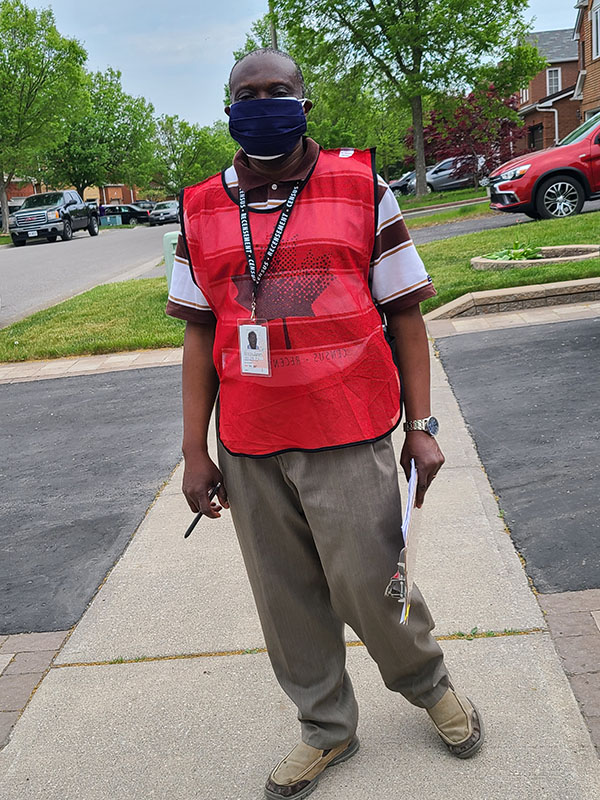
[130,214]
[551,183]
[52,214]
[451,173]
[149,204]
[401,185]
[167,211]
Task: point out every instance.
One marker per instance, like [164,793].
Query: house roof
[555,45]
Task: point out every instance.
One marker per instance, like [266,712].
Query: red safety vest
[333,381]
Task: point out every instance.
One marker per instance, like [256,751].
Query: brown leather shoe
[458,724]
[298,773]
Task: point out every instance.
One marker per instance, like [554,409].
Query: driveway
[82,459]
[499,220]
[530,398]
[42,273]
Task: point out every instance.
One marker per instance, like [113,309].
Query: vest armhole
[184,237]
[375,215]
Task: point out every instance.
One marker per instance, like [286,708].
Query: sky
[179,56]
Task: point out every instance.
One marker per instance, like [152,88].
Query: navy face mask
[267,128]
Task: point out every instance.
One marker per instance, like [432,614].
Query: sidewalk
[163,690]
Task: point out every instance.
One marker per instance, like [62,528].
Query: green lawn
[409,201]
[117,316]
[448,261]
[131,315]
[5,239]
[452,215]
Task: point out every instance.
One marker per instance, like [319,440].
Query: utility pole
[272,25]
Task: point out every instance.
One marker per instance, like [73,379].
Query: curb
[518,297]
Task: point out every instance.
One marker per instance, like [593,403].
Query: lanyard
[273,244]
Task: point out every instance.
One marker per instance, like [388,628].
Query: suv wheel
[67,233]
[558,197]
[93,226]
[19,242]
[133,222]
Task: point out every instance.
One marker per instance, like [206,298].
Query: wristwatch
[429,425]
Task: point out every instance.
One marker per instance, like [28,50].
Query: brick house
[547,106]
[587,36]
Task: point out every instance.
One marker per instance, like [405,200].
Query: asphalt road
[530,398]
[41,274]
[82,459]
[499,220]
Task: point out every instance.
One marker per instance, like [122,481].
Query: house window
[553,80]
[525,95]
[595,13]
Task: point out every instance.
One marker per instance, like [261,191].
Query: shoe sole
[472,750]
[351,750]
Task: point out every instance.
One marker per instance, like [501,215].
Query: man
[298,245]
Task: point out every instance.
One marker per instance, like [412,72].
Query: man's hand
[201,474]
[428,460]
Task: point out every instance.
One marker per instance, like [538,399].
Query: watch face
[433,426]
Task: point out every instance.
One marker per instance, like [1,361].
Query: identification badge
[254,347]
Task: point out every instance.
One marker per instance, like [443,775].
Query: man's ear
[228,110]
[307,106]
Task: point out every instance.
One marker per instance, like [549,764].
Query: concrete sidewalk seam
[458,636]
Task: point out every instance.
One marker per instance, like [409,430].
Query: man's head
[267,115]
[265,73]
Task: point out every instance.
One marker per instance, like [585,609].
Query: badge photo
[254,347]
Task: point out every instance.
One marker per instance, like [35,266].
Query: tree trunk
[4,202]
[272,27]
[416,106]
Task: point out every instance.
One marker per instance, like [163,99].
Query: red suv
[552,183]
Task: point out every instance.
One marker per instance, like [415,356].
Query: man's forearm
[412,351]
[200,384]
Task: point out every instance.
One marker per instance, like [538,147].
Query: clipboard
[400,585]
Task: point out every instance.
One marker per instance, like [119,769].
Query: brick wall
[591,87]
[20,190]
[538,87]
[568,120]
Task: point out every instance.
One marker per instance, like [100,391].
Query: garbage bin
[169,247]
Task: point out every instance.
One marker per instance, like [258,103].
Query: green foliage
[518,252]
[187,153]
[110,143]
[41,73]
[413,51]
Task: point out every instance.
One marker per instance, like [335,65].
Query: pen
[196,519]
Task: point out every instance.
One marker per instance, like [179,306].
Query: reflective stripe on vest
[333,382]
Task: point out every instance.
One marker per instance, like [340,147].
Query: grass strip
[5,240]
[129,315]
[409,201]
[449,261]
[450,215]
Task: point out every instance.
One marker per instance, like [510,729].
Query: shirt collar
[248,179]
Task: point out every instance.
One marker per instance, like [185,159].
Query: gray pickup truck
[53,214]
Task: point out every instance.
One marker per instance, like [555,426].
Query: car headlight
[50,215]
[12,220]
[514,173]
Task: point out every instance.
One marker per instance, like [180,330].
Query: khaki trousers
[320,537]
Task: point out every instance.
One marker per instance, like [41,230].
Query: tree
[346,112]
[415,50]
[40,77]
[112,142]
[483,125]
[186,153]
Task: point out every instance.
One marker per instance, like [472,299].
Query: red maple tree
[482,124]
